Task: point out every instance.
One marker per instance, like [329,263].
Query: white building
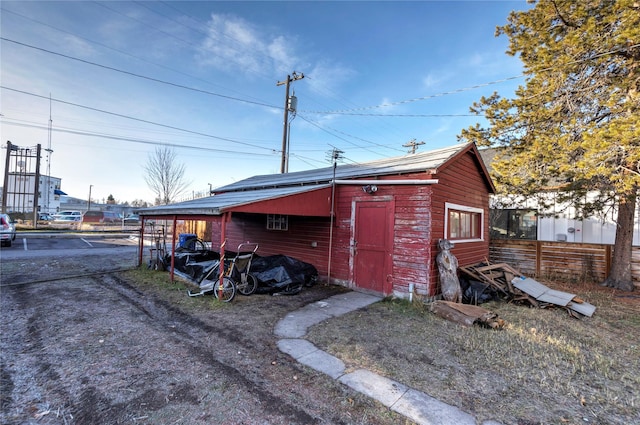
[20,193]
[526,219]
[516,217]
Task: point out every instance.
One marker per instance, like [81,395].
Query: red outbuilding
[373,227]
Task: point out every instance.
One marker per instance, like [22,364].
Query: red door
[373,236]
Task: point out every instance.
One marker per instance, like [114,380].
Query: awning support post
[223,241]
[173,247]
[141,242]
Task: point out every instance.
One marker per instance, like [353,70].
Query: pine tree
[574,125]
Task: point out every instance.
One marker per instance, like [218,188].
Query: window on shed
[463,223]
[277,222]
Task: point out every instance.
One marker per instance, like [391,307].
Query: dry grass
[544,367]
[175,292]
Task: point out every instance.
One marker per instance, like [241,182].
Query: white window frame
[278,222]
[450,206]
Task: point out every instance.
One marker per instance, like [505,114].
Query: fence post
[607,260]
[538,258]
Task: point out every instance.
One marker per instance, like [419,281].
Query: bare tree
[164,175]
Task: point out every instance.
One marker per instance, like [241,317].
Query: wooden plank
[489,267]
[466,314]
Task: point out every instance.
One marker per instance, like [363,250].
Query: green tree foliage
[139,203]
[574,126]
[164,175]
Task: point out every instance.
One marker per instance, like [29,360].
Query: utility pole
[336,155]
[287,107]
[413,145]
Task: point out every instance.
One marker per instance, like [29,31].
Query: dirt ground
[104,348]
[81,344]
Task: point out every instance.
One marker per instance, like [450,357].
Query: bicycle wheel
[228,290]
[249,286]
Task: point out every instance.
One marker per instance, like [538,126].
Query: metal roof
[424,161]
[272,186]
[219,203]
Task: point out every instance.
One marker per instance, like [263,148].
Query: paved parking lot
[28,245]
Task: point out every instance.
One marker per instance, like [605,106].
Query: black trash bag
[280,274]
[477,293]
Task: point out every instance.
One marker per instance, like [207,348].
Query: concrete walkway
[415,405]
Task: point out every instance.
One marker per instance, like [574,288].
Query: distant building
[21,196]
[77,204]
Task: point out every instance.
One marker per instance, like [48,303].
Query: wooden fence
[575,261]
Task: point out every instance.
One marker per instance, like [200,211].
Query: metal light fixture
[370,189]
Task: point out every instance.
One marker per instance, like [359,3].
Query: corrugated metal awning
[312,200]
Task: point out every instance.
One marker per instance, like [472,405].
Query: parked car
[45,217]
[101,217]
[67,216]
[132,219]
[7,230]
[68,219]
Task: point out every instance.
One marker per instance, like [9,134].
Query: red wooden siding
[295,242]
[412,233]
[313,203]
[460,183]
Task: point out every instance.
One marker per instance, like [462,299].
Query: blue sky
[126,77]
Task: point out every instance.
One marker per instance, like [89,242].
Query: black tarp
[280,273]
[276,274]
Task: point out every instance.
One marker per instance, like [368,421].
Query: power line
[138,119]
[324,128]
[476,86]
[416,99]
[130,139]
[389,115]
[110,68]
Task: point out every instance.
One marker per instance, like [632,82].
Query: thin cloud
[77,47]
[490,64]
[235,45]
[326,78]
[431,80]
